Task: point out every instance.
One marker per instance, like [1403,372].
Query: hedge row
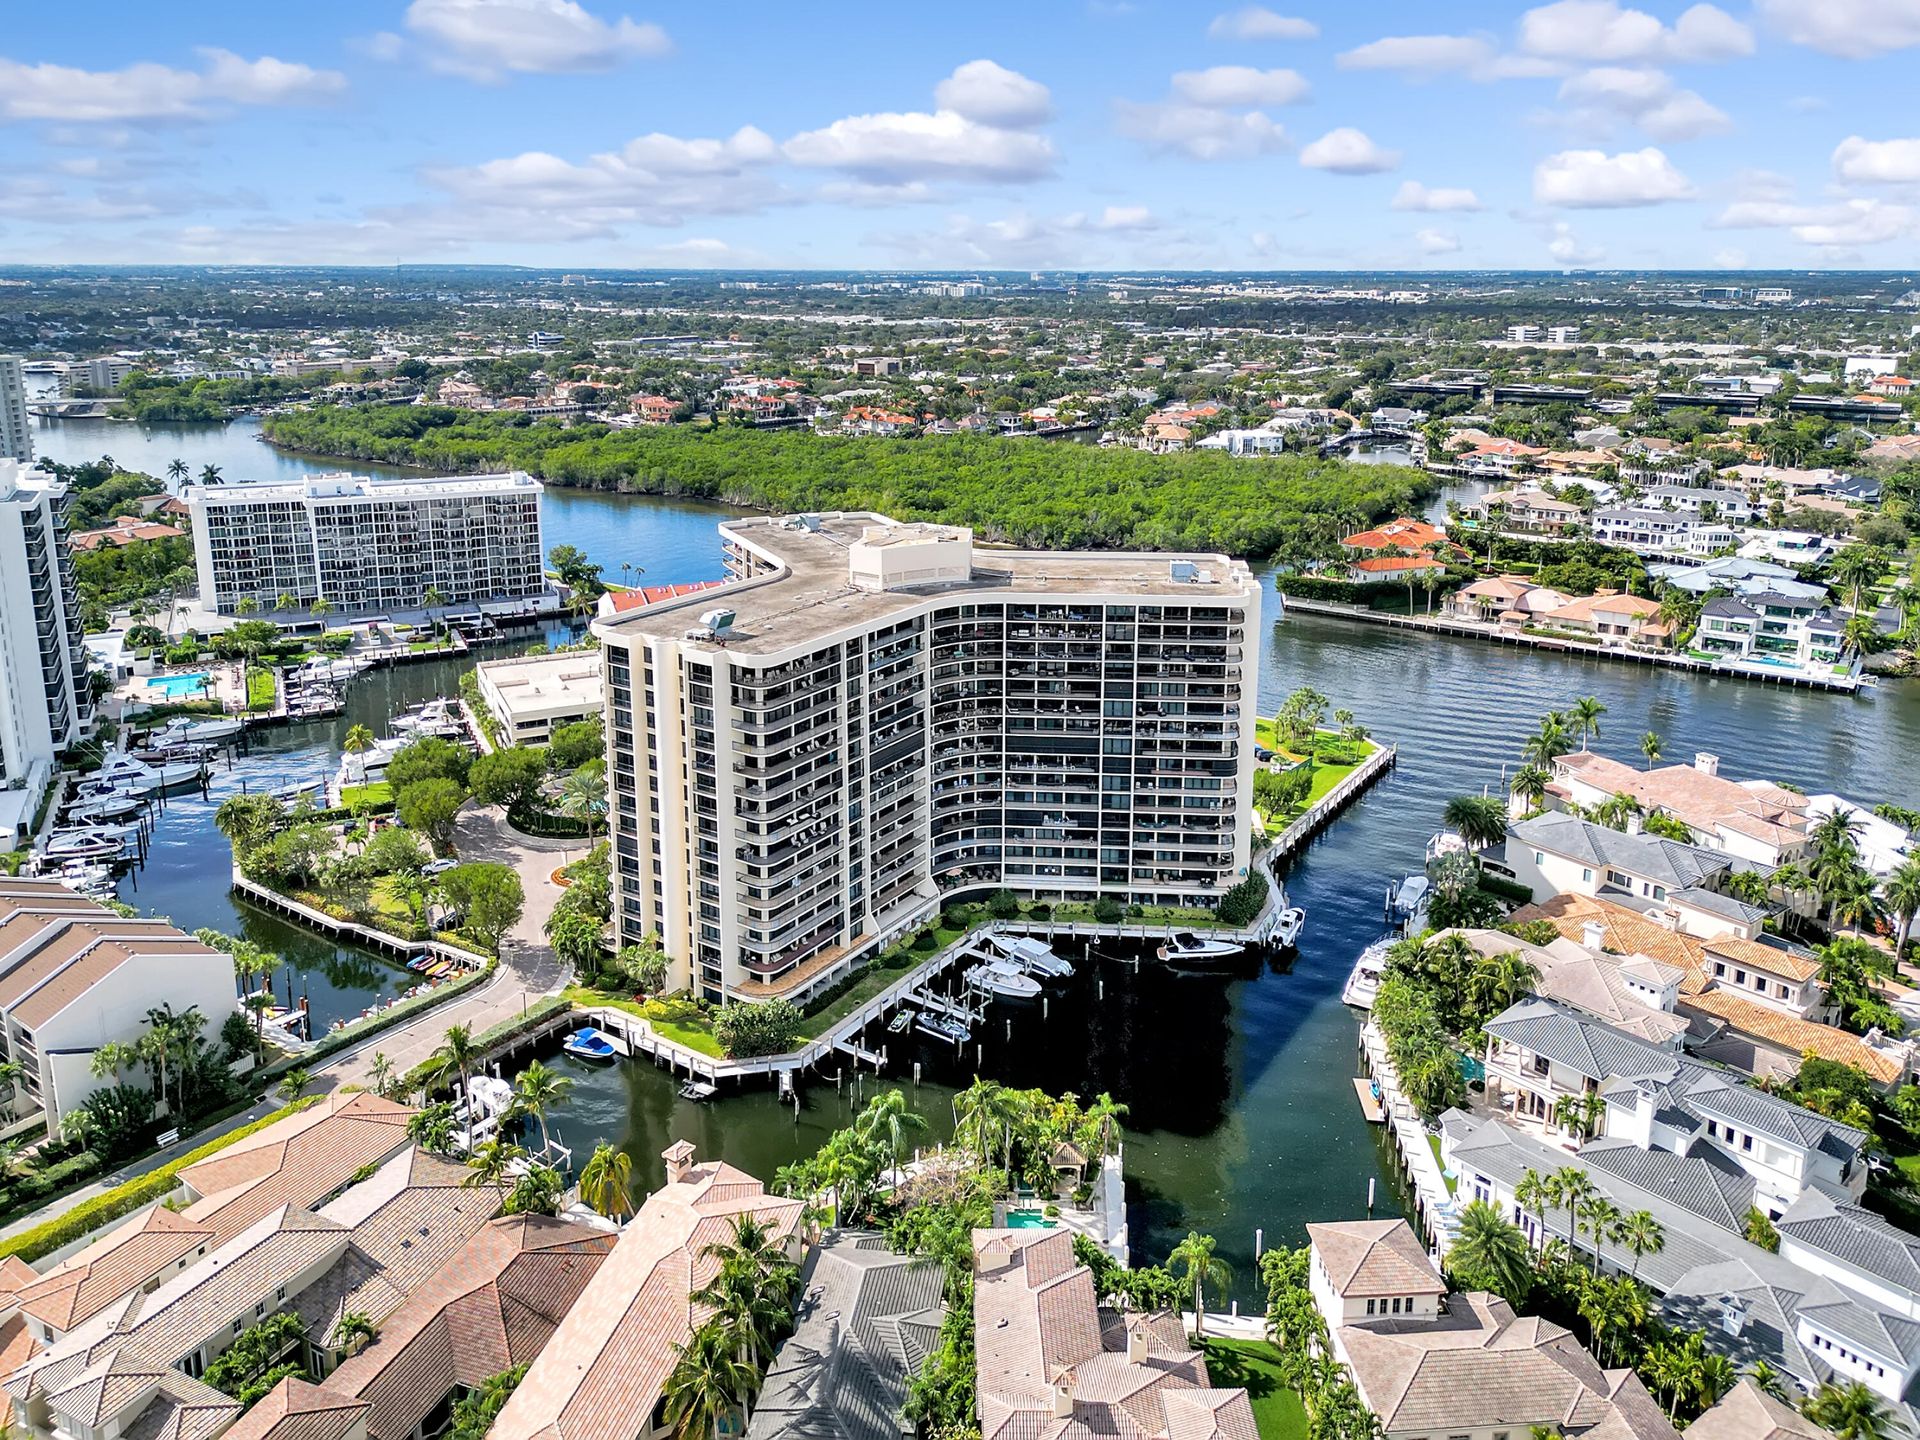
[91,1214]
[427,1071]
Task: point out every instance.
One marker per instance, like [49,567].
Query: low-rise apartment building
[871,714]
[368,545]
[75,976]
[45,702]
[533,695]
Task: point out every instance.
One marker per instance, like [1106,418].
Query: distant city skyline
[1090,134]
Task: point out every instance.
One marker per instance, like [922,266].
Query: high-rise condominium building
[872,714]
[16,431]
[366,545]
[45,703]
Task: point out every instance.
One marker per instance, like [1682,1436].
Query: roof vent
[1733,1314]
[1706,763]
[719,624]
[1184,571]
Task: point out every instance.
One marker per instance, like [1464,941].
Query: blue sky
[1090,134]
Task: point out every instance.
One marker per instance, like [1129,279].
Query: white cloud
[1589,32]
[1256,22]
[1877,162]
[652,180]
[158,92]
[1593,179]
[1732,257]
[1201,132]
[1026,239]
[1645,98]
[1851,29]
[1126,217]
[488,39]
[1436,242]
[994,95]
[1422,54]
[1238,86]
[893,147]
[1412,195]
[1347,151]
[1841,225]
[1567,247]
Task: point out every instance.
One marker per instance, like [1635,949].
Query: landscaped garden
[1314,759]
[1254,1366]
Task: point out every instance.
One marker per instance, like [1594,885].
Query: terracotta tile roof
[613,1352]
[1366,1258]
[296,1410]
[1406,533]
[1397,564]
[1747,1412]
[1755,955]
[633,599]
[1591,607]
[86,1283]
[1703,801]
[16,1348]
[1793,1034]
[73,983]
[493,1306]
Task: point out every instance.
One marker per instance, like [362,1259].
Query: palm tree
[1534,1194]
[1480,820]
[1713,1377]
[1585,716]
[1650,747]
[1501,980]
[354,1331]
[538,1090]
[583,797]
[246,605]
[1572,1189]
[976,1112]
[1530,784]
[1901,891]
[1599,1215]
[285,600]
[707,1384]
[1194,1256]
[1670,1370]
[457,1053]
[113,1057]
[754,1282]
[209,474]
[1548,743]
[380,1071]
[321,608]
[1491,1251]
[888,1119]
[431,599]
[1642,1235]
[157,1044]
[606,1181]
[177,470]
[490,1163]
[1850,1411]
[1103,1118]
[1768,1380]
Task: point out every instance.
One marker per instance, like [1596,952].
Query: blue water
[176,687]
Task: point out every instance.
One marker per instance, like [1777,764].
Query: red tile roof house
[601,1376]
[1397,550]
[125,530]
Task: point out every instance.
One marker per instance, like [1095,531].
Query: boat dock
[1325,808]
[1501,635]
[1370,1105]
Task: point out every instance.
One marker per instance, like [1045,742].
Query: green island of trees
[1029,493]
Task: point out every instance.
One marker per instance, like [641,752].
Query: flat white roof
[347,486]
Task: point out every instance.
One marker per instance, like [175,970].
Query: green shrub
[1108,911]
[769,1028]
[1241,904]
[1003,905]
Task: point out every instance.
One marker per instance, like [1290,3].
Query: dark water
[1242,1111]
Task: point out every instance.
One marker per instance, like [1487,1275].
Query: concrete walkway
[528,967]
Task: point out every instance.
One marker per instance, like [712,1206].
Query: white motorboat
[1185,947]
[1001,977]
[186,729]
[104,805]
[439,718]
[1411,895]
[85,875]
[158,754]
[940,1027]
[1036,957]
[87,842]
[300,790]
[127,772]
[1287,926]
[478,1113]
[1364,982]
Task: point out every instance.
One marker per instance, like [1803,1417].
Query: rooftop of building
[1370,1258]
[346,486]
[812,593]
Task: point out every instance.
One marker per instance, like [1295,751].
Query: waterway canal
[1242,1114]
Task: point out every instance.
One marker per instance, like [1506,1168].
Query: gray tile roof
[1706,1183]
[1716,903]
[866,1320]
[1854,1236]
[1890,1337]
[1669,862]
[1587,1047]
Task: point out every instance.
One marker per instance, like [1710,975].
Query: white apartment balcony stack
[872,714]
[16,429]
[368,545]
[45,702]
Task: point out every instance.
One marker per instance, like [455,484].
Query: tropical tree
[1641,1235]
[1584,718]
[1193,1257]
[1548,743]
[1530,783]
[457,1053]
[583,797]
[177,470]
[1572,1189]
[1103,1118]
[1901,893]
[354,1331]
[359,740]
[537,1091]
[431,599]
[209,474]
[706,1386]
[492,1162]
[1850,1412]
[1650,747]
[752,1290]
[1480,820]
[606,1181]
[1579,1115]
[1598,1217]
[888,1120]
[1534,1194]
[1490,1253]
[380,1071]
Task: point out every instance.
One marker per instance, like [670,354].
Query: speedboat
[1364,982]
[1188,948]
[1033,956]
[587,1043]
[1001,977]
[124,770]
[1287,926]
[186,729]
[85,876]
[104,805]
[299,790]
[1411,895]
[940,1027]
[158,754]
[87,842]
[901,1022]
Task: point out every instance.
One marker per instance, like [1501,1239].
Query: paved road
[528,967]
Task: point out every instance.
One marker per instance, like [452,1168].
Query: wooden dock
[1370,1105]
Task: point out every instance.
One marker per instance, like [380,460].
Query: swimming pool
[174,687]
[1029,1220]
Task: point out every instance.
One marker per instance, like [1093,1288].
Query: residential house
[1771,628]
[1648,531]
[1462,1366]
[75,976]
[601,1375]
[1526,511]
[125,530]
[462,395]
[1732,572]
[1051,1363]
[1883,846]
[1616,619]
[1705,501]
[1404,536]
[1677,884]
[652,409]
[1788,547]
[866,1320]
[1500,457]
[1505,598]
[1897,386]
[1396,420]
[1243,442]
[300,1410]
[1752,819]
[1747,1412]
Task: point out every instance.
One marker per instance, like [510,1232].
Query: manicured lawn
[693,1035]
[374,795]
[1255,1365]
[263,688]
[1326,775]
[1434,1141]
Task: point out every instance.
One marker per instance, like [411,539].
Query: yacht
[1411,897]
[1001,977]
[477,1115]
[88,842]
[104,805]
[1188,948]
[152,754]
[87,877]
[1367,970]
[437,717]
[1031,955]
[1287,926]
[125,771]
[187,729]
